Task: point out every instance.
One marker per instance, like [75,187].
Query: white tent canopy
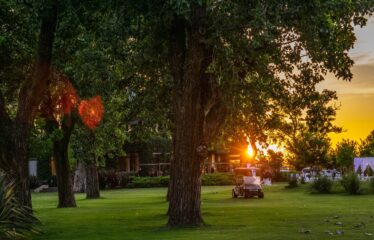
[363,162]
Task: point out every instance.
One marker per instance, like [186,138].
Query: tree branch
[32,91]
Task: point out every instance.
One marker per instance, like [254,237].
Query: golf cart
[247,183]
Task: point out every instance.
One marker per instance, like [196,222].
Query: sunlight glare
[250,151]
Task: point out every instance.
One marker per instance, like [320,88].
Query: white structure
[363,162]
[33,166]
[308,174]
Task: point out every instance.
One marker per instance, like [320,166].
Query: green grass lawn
[140,214]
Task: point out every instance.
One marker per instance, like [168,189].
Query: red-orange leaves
[61,98]
[91,111]
[67,98]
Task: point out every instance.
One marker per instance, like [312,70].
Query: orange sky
[356,98]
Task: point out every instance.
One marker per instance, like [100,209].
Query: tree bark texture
[80,178]
[63,171]
[15,158]
[92,177]
[196,120]
[92,181]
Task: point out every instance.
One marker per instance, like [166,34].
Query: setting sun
[250,151]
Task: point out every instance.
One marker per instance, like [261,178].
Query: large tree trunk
[15,159]
[60,153]
[80,178]
[197,116]
[92,177]
[92,181]
[20,164]
[184,195]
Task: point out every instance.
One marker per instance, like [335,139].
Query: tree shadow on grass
[90,199]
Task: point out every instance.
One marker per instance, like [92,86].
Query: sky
[356,98]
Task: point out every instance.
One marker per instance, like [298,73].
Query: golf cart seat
[251,180]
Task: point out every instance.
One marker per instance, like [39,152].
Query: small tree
[368,171]
[309,149]
[351,183]
[275,161]
[346,150]
[367,146]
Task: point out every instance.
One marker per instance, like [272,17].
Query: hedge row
[148,182]
[212,179]
[218,179]
[110,180]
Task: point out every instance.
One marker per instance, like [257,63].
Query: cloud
[363,50]
[362,82]
[358,91]
[363,58]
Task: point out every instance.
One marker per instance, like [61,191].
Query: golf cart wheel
[261,195]
[234,194]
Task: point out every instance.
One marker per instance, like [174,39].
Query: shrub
[123,178]
[302,180]
[16,221]
[211,179]
[111,179]
[322,185]
[371,185]
[351,183]
[148,182]
[292,182]
[108,179]
[218,179]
